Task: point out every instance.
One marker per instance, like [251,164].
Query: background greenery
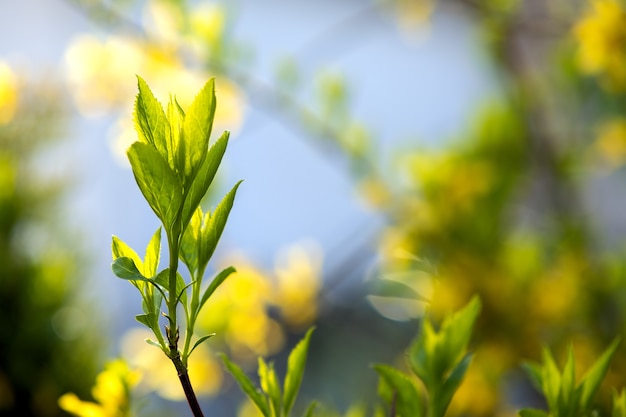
[522,206]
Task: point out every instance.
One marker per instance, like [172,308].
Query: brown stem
[191,396]
[183,375]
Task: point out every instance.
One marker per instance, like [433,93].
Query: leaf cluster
[439,359]
[174,167]
[270,399]
[564,396]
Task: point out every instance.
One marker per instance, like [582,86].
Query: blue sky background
[409,90]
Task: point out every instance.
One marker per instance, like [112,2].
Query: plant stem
[183,375]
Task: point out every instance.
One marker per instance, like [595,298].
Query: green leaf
[217,281]
[408,402]
[199,341]
[569,393]
[295,371]
[150,320]
[619,403]
[531,412]
[247,387]
[452,383]
[197,128]
[190,242]
[153,254]
[551,380]
[212,231]
[151,123]
[175,116]
[157,182]
[593,378]
[163,279]
[270,385]
[119,249]
[309,411]
[456,332]
[204,178]
[125,268]
[534,373]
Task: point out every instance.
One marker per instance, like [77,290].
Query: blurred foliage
[501,211]
[48,345]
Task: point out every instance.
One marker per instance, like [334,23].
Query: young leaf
[593,378]
[204,177]
[175,116]
[190,242]
[619,403]
[197,128]
[247,387]
[157,182]
[163,279]
[150,121]
[217,281]
[199,341]
[550,380]
[451,385]
[456,331]
[149,320]
[212,231]
[119,249]
[408,403]
[125,268]
[269,384]
[531,412]
[153,254]
[310,409]
[569,393]
[295,372]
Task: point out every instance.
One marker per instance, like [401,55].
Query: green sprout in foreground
[174,166]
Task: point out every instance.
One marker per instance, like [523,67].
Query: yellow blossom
[298,271]
[111,392]
[601,35]
[610,146]
[8,93]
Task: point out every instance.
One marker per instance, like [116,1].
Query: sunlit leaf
[204,177]
[212,231]
[217,281]
[151,122]
[295,371]
[190,242]
[407,400]
[247,386]
[153,254]
[157,182]
[593,378]
[125,268]
[451,384]
[199,341]
[269,384]
[197,128]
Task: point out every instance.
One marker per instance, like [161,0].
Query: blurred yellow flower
[610,145]
[159,373]
[601,35]
[111,392]
[239,310]
[100,71]
[8,93]
[298,271]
